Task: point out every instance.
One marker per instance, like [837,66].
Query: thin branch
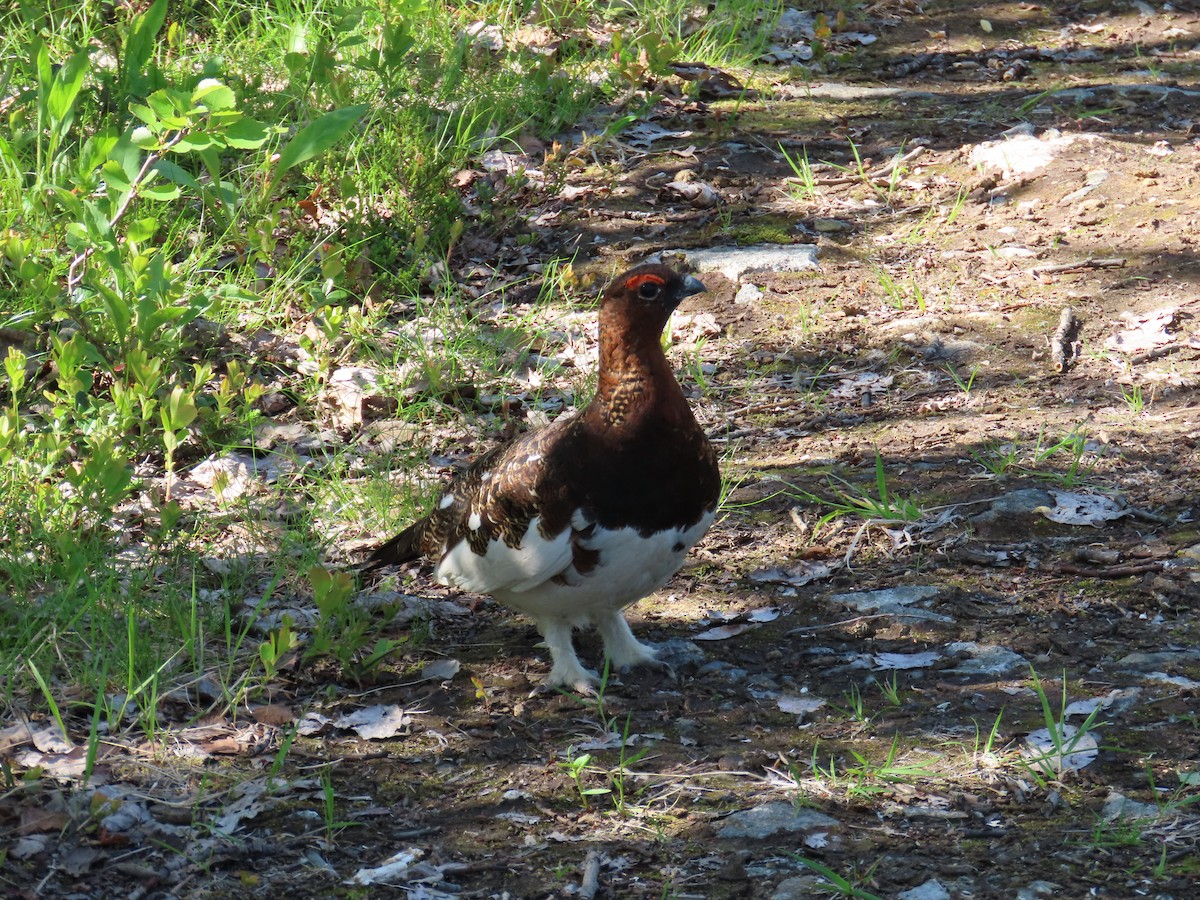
[76,270]
[1116,262]
[590,882]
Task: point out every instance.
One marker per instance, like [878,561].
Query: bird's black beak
[693,285]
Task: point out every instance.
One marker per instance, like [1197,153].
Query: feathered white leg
[567,671]
[620,646]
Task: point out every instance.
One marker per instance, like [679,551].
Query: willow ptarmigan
[573,523]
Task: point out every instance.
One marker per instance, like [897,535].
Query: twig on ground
[1116,262]
[1156,353]
[591,876]
[1125,571]
[1063,346]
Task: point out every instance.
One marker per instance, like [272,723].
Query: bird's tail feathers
[404,547]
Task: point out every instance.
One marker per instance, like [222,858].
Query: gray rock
[794,25]
[848,92]
[983,660]
[679,653]
[1118,806]
[723,669]
[1023,154]
[748,293]
[1036,889]
[930,890]
[1163,659]
[772,818]
[1012,511]
[800,887]
[1127,91]
[896,601]
[734,262]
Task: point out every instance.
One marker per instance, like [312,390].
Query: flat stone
[1128,91]
[849,92]
[734,262]
[1118,806]
[897,601]
[748,293]
[930,890]
[1024,154]
[799,887]
[679,653]
[1178,681]
[772,818]
[1012,512]
[984,660]
[1141,661]
[1036,889]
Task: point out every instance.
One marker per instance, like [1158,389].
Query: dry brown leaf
[36,819]
[224,746]
[273,714]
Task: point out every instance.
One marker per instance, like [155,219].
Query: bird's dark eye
[649,290]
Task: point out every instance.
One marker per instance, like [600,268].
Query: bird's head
[644,297]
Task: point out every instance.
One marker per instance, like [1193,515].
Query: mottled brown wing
[494,499]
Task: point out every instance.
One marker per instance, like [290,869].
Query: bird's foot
[623,650]
[571,679]
[644,661]
[624,657]
[567,672]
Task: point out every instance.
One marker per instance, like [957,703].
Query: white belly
[629,568]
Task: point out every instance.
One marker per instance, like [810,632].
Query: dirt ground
[1038,514]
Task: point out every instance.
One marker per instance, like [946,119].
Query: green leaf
[60,103]
[8,156]
[104,476]
[14,365]
[331,591]
[317,137]
[100,230]
[144,138]
[39,55]
[168,516]
[127,155]
[115,177]
[77,235]
[120,314]
[139,48]
[176,175]
[397,41]
[237,294]
[71,205]
[197,140]
[245,134]
[155,321]
[179,411]
[160,192]
[141,230]
[146,114]
[213,95]
[295,63]
[163,106]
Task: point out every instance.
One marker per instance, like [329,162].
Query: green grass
[205,207]
[899,294]
[1064,740]
[838,885]
[881,506]
[804,186]
[852,775]
[1067,461]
